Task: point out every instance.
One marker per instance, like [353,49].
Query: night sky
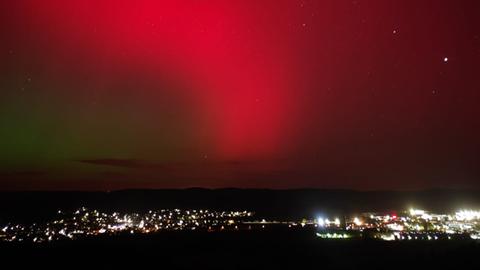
[105,95]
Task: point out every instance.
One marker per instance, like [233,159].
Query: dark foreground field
[241,250]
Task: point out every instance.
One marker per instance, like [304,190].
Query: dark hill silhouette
[28,206]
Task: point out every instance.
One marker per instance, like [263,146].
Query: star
[445,59]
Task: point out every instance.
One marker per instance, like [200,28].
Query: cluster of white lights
[333,235]
[321,222]
[84,222]
[327,222]
[357,221]
[417,212]
[413,224]
[467,215]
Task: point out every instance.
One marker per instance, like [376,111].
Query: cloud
[125,163]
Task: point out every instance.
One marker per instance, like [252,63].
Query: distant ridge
[271,203]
